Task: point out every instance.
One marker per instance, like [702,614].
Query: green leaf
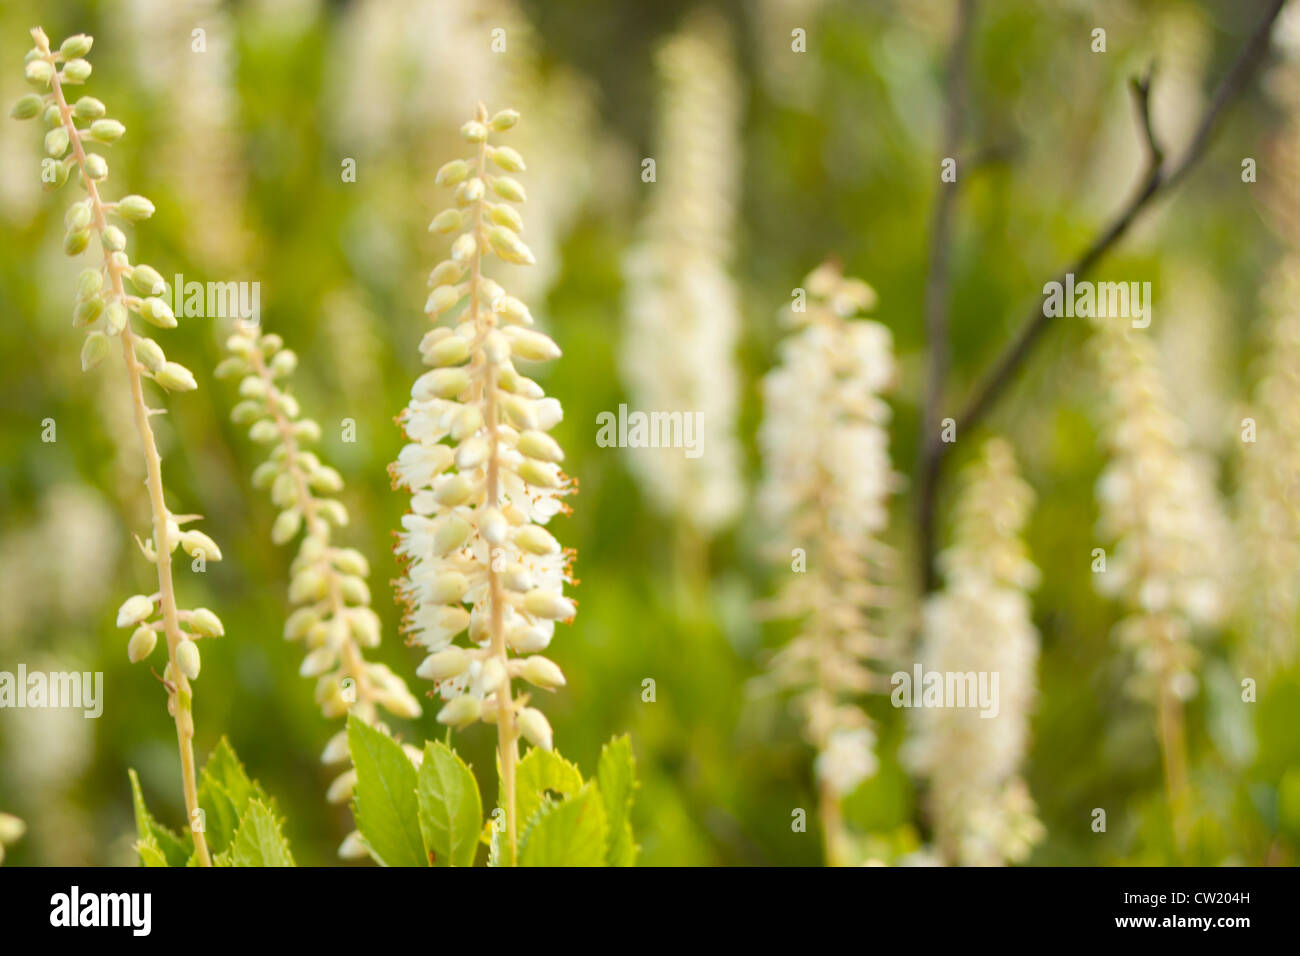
[150,853]
[569,833]
[225,790]
[450,808]
[540,771]
[258,841]
[616,775]
[385,805]
[223,767]
[173,848]
[221,817]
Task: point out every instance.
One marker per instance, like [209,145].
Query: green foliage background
[847,167]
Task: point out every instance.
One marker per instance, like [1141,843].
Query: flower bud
[543,474]
[536,540]
[535,728]
[508,159]
[147,281]
[27,107]
[197,543]
[134,208]
[107,130]
[444,665]
[474,132]
[505,119]
[87,311]
[157,312]
[507,188]
[77,45]
[503,215]
[451,350]
[450,174]
[187,656]
[88,108]
[175,378]
[74,243]
[89,281]
[135,609]
[453,531]
[149,353]
[114,239]
[533,346]
[509,246]
[141,644]
[39,72]
[449,220]
[548,605]
[96,167]
[442,299]
[205,623]
[286,526]
[543,672]
[463,249]
[460,711]
[340,791]
[440,383]
[448,587]
[114,318]
[76,71]
[541,446]
[94,350]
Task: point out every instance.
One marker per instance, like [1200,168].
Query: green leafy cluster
[239,820]
[432,815]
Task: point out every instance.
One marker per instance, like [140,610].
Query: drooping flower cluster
[825,493]
[1268,505]
[1158,503]
[980,623]
[483,473]
[333,617]
[107,296]
[678,353]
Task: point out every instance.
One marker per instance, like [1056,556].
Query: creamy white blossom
[1159,506]
[683,319]
[483,473]
[827,480]
[332,614]
[981,623]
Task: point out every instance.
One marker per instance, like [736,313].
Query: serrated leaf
[385,804]
[151,854]
[450,807]
[172,847]
[616,776]
[569,833]
[258,840]
[221,817]
[223,767]
[540,771]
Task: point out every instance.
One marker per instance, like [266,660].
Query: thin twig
[1156,180]
[937,304]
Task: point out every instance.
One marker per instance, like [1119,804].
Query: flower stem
[180,703]
[507,731]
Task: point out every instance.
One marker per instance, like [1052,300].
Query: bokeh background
[241,146]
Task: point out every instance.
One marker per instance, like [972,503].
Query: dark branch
[1156,180]
[937,306]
